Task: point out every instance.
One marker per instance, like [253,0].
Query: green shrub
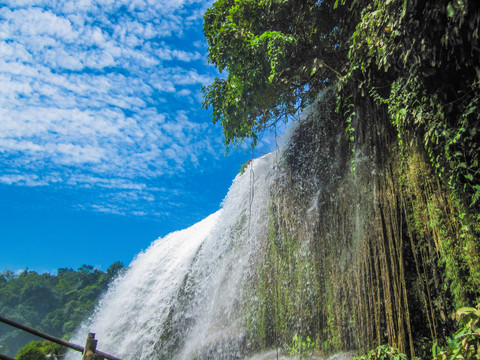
[465,343]
[31,351]
[382,352]
[301,346]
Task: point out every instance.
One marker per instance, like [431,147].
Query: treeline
[55,304]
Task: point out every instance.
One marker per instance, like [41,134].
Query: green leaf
[404,10]
[450,10]
[467,311]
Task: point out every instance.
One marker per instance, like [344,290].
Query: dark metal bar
[52,338]
[41,334]
[5,357]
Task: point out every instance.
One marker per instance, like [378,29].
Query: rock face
[348,261]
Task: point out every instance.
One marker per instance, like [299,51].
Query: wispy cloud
[102,94]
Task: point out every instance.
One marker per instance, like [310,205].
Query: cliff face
[357,252]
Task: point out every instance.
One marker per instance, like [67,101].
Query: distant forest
[55,304]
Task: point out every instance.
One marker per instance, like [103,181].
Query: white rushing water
[182,297]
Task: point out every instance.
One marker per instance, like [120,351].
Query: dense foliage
[407,75]
[420,58]
[277,55]
[421,61]
[465,343]
[41,350]
[382,352]
[55,304]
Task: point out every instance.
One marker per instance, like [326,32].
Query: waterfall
[305,246]
[182,297]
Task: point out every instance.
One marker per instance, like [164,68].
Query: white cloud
[166,53]
[184,92]
[190,77]
[99,93]
[18,179]
[85,180]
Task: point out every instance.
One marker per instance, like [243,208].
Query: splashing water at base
[181,298]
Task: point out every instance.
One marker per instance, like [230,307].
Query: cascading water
[182,297]
[303,248]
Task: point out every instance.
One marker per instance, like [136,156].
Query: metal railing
[89,351]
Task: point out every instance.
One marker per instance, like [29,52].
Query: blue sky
[104,146]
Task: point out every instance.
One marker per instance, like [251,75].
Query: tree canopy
[277,55]
[41,350]
[420,59]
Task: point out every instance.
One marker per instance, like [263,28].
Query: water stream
[279,259]
[182,297]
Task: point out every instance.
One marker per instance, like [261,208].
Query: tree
[31,351]
[39,350]
[278,55]
[114,270]
[6,275]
